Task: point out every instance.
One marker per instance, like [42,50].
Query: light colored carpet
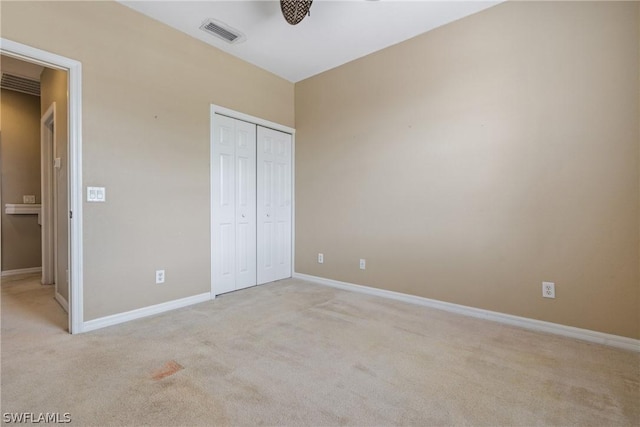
[295,353]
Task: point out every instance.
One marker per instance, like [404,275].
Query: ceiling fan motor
[294,11]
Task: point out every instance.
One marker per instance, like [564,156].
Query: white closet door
[274,205]
[234,205]
[245,204]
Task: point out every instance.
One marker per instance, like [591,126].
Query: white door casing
[74,147]
[48,191]
[274,205]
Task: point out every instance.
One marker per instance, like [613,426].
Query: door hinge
[70,214]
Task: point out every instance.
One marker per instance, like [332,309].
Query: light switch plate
[96,194]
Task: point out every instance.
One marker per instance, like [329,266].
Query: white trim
[212,112]
[523,322]
[74,69]
[48,189]
[76,262]
[151,310]
[63,302]
[18,271]
[293,204]
[216,109]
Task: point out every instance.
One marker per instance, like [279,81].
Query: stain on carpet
[169,368]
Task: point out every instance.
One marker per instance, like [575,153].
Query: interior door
[234,204]
[274,208]
[245,188]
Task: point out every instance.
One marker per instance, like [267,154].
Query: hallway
[29,311]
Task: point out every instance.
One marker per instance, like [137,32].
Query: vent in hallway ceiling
[20,84]
[222,31]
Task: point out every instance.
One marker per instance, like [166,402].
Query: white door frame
[48,193]
[216,109]
[74,147]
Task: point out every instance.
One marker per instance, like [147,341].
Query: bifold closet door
[234,204]
[274,205]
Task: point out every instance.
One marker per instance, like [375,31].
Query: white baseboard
[63,302]
[523,322]
[21,271]
[127,316]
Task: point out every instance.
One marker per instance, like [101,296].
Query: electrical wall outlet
[159,276]
[363,264]
[320,258]
[548,289]
[29,200]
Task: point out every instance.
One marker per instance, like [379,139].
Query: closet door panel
[223,198]
[274,205]
[234,205]
[245,204]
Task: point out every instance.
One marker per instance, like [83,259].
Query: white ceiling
[336,32]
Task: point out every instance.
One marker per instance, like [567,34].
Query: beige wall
[20,165]
[146,94]
[474,162]
[53,85]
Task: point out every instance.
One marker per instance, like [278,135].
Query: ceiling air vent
[20,84]
[222,31]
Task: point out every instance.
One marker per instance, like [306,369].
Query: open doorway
[34,167]
[61,192]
